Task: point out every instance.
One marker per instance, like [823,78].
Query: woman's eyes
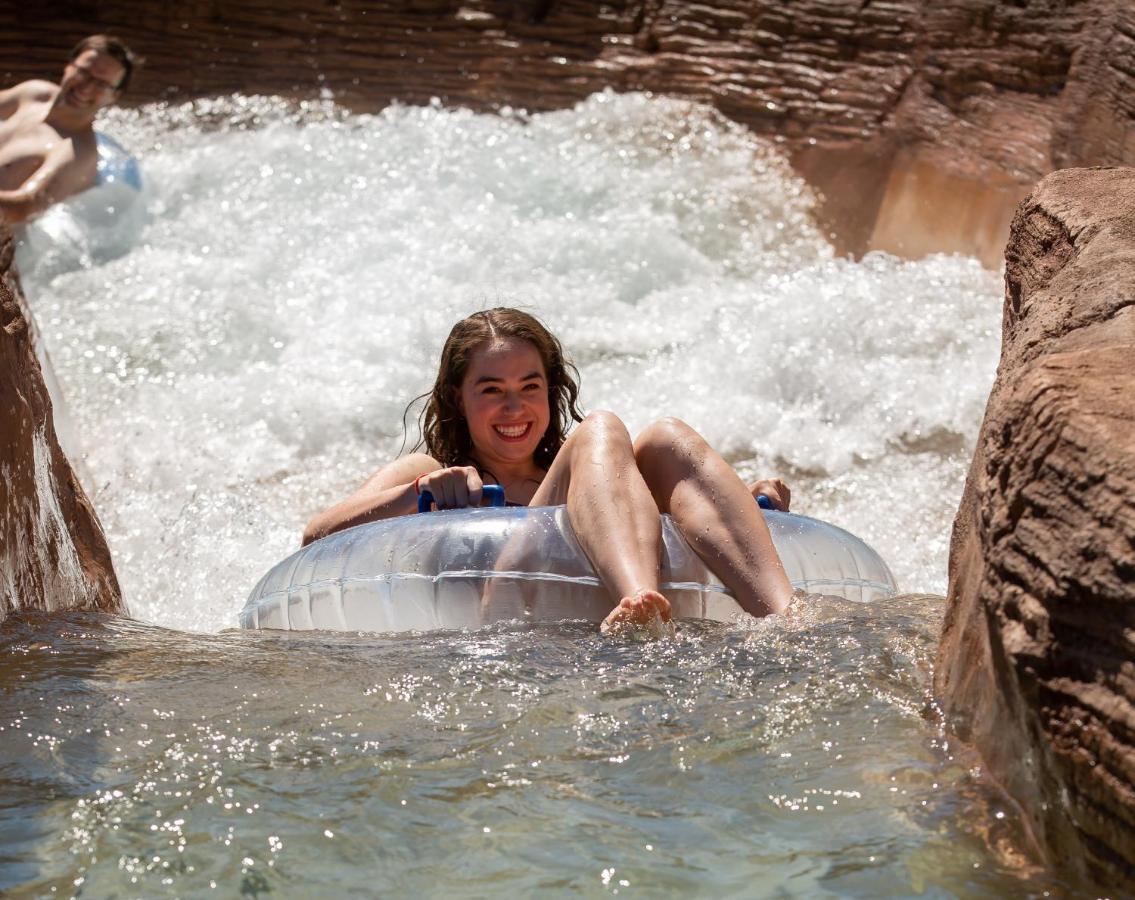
[528,388]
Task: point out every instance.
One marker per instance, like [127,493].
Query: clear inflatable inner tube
[117,188]
[467,568]
[91,227]
[115,165]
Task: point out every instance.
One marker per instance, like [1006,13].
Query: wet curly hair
[445,433]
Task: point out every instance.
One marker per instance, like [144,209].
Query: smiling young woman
[499,412]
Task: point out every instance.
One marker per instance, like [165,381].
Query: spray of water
[238,347]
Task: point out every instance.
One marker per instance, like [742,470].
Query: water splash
[243,357]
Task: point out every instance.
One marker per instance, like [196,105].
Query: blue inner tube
[115,164]
[466,568]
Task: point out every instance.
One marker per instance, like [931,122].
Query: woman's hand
[453,488]
[775,489]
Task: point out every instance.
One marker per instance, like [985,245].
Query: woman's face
[505,401]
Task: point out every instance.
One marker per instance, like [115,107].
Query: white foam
[244,357]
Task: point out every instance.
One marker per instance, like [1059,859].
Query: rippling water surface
[789,759]
[236,351]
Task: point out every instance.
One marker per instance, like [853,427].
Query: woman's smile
[514,432]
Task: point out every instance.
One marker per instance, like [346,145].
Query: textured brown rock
[52,552]
[981,97]
[1037,660]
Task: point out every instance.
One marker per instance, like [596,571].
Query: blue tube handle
[764,502]
[494,492]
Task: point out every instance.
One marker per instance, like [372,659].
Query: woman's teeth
[511,431]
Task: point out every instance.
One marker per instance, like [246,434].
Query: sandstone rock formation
[921,124]
[1037,660]
[52,552]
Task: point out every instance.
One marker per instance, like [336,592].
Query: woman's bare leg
[612,513]
[715,512]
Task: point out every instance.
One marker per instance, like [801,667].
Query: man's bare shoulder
[26,96]
[35,90]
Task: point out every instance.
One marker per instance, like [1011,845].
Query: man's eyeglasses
[88,75]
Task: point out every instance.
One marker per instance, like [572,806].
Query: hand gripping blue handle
[764,502]
[494,492]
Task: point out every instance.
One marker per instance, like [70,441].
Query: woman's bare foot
[646,609]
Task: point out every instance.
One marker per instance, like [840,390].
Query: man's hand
[28,199]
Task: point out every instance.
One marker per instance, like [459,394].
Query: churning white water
[237,350]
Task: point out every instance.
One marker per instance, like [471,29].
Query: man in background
[47,144]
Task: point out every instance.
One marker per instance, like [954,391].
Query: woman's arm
[389,492]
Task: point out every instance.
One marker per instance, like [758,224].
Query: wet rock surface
[1037,660]
[53,555]
[921,125]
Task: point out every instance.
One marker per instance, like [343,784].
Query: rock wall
[52,552]
[1037,660]
[921,123]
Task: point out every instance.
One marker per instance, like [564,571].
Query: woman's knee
[669,451]
[603,427]
[667,438]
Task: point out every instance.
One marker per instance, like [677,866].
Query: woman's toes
[646,609]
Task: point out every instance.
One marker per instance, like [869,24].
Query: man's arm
[60,176]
